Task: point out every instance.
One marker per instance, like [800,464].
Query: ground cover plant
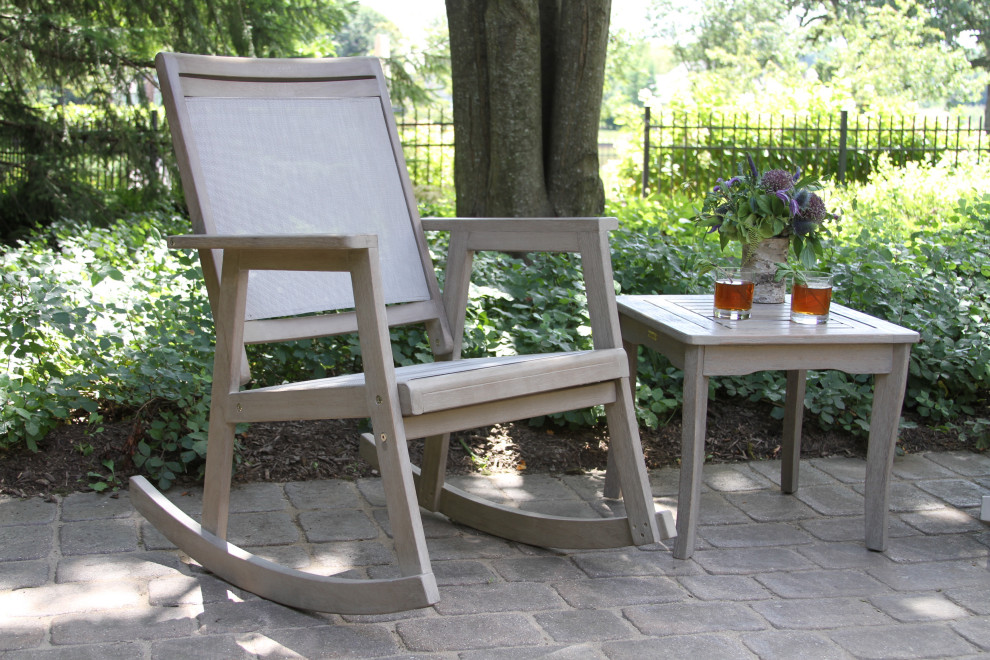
[101,324]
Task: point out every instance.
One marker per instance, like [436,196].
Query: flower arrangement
[752,206]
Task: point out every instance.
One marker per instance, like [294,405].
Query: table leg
[692,451]
[612,489]
[793,417]
[888,397]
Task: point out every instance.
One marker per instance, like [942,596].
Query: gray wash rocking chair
[306,226]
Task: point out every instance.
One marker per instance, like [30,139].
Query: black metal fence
[90,153]
[428,145]
[688,153]
[97,157]
[681,152]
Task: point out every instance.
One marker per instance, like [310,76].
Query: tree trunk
[527,91]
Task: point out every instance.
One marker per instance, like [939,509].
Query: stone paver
[963,463]
[919,607]
[498,597]
[832,500]
[19,542]
[918,466]
[724,647]
[99,537]
[322,494]
[787,644]
[820,613]
[733,478]
[96,506]
[754,535]
[750,561]
[773,575]
[903,641]
[33,511]
[574,626]
[693,618]
[21,574]
[851,528]
[770,506]
[477,631]
[822,584]
[130,624]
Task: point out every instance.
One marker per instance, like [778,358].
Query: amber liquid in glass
[810,300]
[733,295]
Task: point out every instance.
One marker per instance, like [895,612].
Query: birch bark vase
[763,259]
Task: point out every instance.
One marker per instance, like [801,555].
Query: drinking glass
[811,296]
[733,293]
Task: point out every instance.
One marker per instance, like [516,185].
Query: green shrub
[109,323]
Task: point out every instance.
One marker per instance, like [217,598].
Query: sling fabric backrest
[282,161]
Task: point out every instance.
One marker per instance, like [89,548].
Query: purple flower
[752,167]
[789,202]
[776,180]
[814,211]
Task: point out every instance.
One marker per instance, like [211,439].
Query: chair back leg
[431,480]
[626,456]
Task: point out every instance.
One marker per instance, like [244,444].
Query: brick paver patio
[774,576]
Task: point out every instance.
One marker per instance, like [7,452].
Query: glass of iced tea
[811,296]
[733,293]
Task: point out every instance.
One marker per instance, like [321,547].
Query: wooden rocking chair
[294,174]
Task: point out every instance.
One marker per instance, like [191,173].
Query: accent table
[683,329]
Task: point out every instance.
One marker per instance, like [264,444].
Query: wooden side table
[683,329]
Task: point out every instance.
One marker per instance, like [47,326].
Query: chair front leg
[229,322]
[386,418]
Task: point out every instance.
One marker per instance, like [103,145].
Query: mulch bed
[301,451]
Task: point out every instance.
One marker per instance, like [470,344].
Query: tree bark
[574,182]
[527,90]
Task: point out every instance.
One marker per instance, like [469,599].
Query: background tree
[880,54]
[962,24]
[740,39]
[527,90]
[892,52]
[54,55]
[631,72]
[415,71]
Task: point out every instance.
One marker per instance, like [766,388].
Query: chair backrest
[300,146]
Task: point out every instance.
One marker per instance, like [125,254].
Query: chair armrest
[522,234]
[587,236]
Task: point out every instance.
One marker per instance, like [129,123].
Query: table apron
[850,358]
[636,333]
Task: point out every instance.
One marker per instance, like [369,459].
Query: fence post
[646,151]
[843,135]
[986,111]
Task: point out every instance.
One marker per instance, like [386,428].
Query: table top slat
[689,319]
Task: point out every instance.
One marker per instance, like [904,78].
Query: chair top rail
[262,69]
